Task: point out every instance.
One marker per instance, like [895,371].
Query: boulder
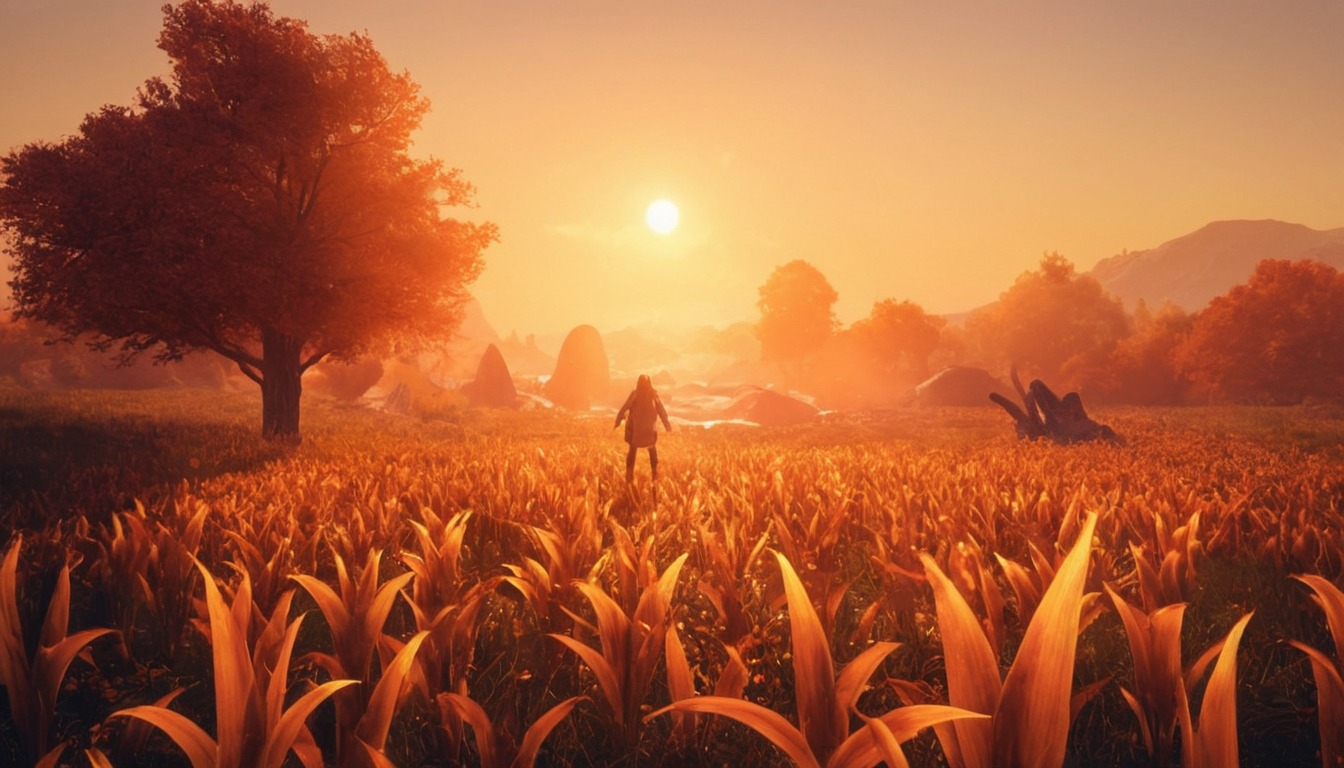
[582,374]
[769,409]
[493,386]
[958,386]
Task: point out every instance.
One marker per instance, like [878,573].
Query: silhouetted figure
[641,413]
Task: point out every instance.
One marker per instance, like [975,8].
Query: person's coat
[641,412]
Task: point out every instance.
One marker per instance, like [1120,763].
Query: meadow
[482,588]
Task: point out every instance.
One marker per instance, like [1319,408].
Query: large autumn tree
[1278,338]
[259,202]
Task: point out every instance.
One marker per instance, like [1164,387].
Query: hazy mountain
[1192,270]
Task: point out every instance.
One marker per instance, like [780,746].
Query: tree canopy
[797,318]
[1050,318]
[260,203]
[1278,338]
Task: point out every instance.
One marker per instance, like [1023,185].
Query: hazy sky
[929,151]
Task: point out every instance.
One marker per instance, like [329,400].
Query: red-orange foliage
[1278,338]
[259,203]
[1047,320]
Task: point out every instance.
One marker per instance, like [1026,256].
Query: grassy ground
[844,499]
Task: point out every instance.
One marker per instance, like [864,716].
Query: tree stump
[1044,415]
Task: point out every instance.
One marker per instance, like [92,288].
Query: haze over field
[928,152]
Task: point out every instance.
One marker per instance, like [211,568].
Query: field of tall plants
[483,588]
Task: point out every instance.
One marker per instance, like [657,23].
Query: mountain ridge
[1190,270]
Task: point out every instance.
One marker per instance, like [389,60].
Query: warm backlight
[662,216]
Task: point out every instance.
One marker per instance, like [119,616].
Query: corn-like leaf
[888,748]
[612,624]
[200,749]
[481,726]
[854,677]
[1331,600]
[52,758]
[819,718]
[281,739]
[58,611]
[377,759]
[607,679]
[1155,646]
[973,681]
[377,719]
[680,683]
[1329,703]
[279,675]
[96,758]
[232,670]
[537,733]
[733,677]
[1031,723]
[861,748]
[1218,713]
[766,722]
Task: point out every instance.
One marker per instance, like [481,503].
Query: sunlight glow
[662,216]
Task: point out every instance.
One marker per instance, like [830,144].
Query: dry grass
[522,577]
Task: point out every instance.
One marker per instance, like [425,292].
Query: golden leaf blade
[1031,723]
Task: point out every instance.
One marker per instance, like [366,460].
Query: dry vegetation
[482,589]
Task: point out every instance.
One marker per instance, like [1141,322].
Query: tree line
[1276,339]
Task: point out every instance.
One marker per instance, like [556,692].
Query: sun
[662,216]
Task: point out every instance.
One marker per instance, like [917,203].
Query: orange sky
[922,151]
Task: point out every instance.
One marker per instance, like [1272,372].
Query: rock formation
[582,375]
[770,409]
[493,386]
[959,386]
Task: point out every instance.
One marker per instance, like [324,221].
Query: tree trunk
[1044,414]
[281,386]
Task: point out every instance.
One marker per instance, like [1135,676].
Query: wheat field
[483,588]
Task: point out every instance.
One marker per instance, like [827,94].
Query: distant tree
[1278,338]
[797,318]
[877,360]
[900,337]
[259,203]
[1047,319]
[1141,370]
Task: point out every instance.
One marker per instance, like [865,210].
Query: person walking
[641,413]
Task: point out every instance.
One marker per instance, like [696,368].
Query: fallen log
[1045,415]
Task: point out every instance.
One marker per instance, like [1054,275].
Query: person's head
[644,383]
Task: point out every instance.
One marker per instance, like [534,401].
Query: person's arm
[662,413]
[620,415]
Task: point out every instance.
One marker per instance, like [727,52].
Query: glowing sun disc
[662,216]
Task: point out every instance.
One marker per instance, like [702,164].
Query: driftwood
[1043,414]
